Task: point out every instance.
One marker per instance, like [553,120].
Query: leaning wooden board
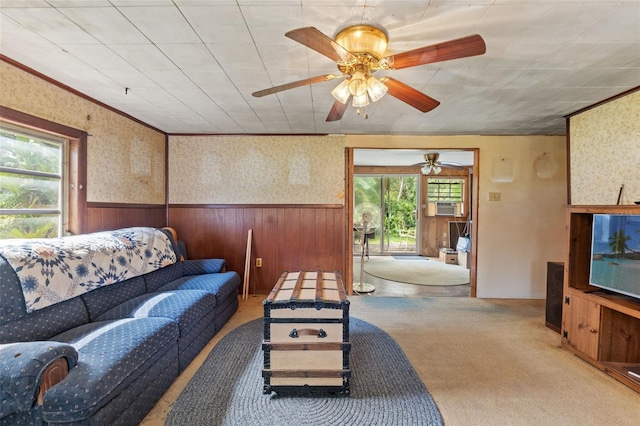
[306,334]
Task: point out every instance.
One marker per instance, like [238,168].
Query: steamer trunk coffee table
[306,335]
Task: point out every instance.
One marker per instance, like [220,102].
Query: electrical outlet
[258,262]
[495,196]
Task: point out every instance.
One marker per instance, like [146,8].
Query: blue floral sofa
[95,328]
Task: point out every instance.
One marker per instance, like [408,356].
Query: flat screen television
[615,253]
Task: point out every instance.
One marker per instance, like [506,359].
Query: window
[32,173]
[445,189]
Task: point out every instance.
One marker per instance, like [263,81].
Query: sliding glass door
[392,204]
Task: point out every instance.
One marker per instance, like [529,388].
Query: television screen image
[615,253]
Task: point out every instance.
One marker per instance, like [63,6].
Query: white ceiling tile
[145,57]
[171,80]
[268,24]
[24,3]
[205,2]
[235,56]
[153,95]
[550,26]
[623,78]
[79,3]
[50,24]
[106,24]
[218,24]
[190,56]
[510,22]
[161,24]
[443,23]
[620,23]
[174,107]
[142,3]
[98,56]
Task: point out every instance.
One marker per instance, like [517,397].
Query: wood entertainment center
[601,327]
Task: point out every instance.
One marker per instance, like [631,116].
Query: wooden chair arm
[52,375]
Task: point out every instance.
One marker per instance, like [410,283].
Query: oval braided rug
[227,389]
[421,272]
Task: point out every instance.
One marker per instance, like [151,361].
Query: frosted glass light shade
[361,101]
[357,84]
[341,92]
[376,89]
[426,169]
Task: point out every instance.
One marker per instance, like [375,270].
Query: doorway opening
[418,213]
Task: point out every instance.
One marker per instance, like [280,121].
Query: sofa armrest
[204,266]
[28,369]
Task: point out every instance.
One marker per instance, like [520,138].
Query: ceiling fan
[358,51]
[432,164]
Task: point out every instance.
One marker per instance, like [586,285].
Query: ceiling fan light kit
[358,51]
[341,92]
[433,164]
[376,89]
[427,168]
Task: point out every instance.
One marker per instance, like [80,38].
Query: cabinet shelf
[599,326]
[620,372]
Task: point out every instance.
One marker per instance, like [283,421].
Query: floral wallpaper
[605,153]
[125,159]
[256,170]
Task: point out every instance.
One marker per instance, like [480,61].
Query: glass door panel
[395,198]
[401,207]
[368,192]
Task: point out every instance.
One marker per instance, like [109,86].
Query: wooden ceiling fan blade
[454,166]
[337,111]
[294,84]
[453,49]
[409,95]
[321,43]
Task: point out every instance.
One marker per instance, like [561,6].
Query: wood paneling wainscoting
[286,237]
[109,216]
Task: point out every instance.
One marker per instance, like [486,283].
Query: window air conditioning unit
[446,208]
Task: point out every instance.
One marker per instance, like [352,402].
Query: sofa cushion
[45,323]
[101,300]
[203,266]
[186,308]
[221,285]
[156,279]
[16,325]
[111,355]
[12,305]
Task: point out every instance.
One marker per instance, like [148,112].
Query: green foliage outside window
[30,179]
[445,189]
[400,199]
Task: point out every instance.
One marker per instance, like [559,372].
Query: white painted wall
[520,234]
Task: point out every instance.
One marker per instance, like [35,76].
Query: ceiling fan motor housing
[364,39]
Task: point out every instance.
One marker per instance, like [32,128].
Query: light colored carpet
[227,389]
[486,362]
[422,272]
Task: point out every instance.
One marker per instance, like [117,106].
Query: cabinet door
[583,325]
